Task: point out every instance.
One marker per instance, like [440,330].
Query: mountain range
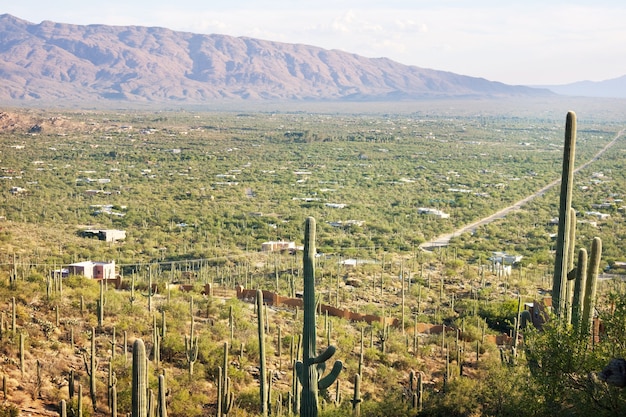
[615,88]
[57,62]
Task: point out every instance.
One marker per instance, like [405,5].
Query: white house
[91,269]
[17,190]
[504,258]
[601,216]
[108,235]
[277,245]
[432,212]
[336,205]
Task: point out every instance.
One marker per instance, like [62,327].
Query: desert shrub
[460,399]
[390,406]
[172,349]
[499,315]
[248,400]
[406,363]
[186,400]
[9,410]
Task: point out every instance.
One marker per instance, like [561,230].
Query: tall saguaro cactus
[559,283]
[263,394]
[140,385]
[312,365]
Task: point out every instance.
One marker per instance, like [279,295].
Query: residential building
[91,269]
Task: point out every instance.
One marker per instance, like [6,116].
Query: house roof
[91,263]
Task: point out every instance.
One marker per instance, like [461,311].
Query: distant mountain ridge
[613,88]
[64,62]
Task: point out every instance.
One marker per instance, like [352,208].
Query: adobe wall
[274,299]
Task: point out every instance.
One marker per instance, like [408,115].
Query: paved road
[444,240]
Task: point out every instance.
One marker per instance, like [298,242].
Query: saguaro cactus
[13,315]
[161,406]
[356,397]
[22,336]
[113,401]
[70,384]
[225,398]
[518,319]
[62,409]
[579,288]
[415,390]
[156,342]
[420,391]
[263,394]
[559,282]
[111,384]
[140,386]
[312,366]
[191,344]
[91,367]
[79,401]
[590,288]
[100,305]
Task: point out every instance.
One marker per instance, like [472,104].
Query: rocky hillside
[54,61]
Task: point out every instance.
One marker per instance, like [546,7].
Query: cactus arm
[229,398]
[299,367]
[325,355]
[331,377]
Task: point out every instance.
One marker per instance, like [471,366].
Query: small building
[277,246]
[347,223]
[107,235]
[619,265]
[91,269]
[336,205]
[539,311]
[432,212]
[63,273]
[352,262]
[600,216]
[505,259]
[18,191]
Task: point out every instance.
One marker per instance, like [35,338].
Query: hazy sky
[516,42]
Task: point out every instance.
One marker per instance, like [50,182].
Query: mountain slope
[55,61]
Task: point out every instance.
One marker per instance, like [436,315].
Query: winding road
[444,240]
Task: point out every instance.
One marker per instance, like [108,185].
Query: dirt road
[444,240]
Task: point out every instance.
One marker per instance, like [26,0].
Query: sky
[531,42]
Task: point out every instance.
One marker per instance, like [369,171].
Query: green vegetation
[203,186]
[198,193]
